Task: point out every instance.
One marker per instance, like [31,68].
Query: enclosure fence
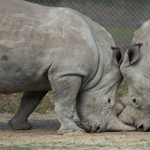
[120,17]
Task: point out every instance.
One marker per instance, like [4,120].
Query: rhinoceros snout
[92,128]
[96,129]
[143,127]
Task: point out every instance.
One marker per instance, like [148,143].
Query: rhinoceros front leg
[29,102]
[65,90]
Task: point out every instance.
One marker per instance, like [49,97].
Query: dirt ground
[43,136]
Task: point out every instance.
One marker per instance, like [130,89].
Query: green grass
[46,106]
[122,90]
[63,145]
[14,147]
[20,95]
[53,145]
[9,106]
[123,32]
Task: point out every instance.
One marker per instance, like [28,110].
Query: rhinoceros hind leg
[65,89]
[18,125]
[29,102]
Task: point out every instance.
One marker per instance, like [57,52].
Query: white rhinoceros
[59,49]
[136,71]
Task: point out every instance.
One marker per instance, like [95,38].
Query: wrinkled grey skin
[136,71]
[59,49]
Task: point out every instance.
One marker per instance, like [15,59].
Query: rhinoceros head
[136,71]
[96,107]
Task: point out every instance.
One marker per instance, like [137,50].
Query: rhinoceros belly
[18,77]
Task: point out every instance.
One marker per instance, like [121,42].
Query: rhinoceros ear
[134,52]
[117,55]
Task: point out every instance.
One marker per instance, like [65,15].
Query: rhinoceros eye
[109,100]
[134,100]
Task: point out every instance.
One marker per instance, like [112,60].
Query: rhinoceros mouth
[144,126]
[94,128]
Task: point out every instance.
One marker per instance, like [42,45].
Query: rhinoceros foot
[69,129]
[19,125]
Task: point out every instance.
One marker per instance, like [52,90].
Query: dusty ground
[43,136]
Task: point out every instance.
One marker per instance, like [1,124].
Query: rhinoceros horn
[126,117]
[114,124]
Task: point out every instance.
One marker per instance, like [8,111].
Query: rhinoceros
[59,49]
[136,71]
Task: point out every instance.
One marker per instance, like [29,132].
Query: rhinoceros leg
[65,90]
[29,102]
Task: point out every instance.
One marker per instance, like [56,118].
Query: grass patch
[122,90]
[9,106]
[64,145]
[14,147]
[123,32]
[20,95]
[9,103]
[45,107]
[53,145]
